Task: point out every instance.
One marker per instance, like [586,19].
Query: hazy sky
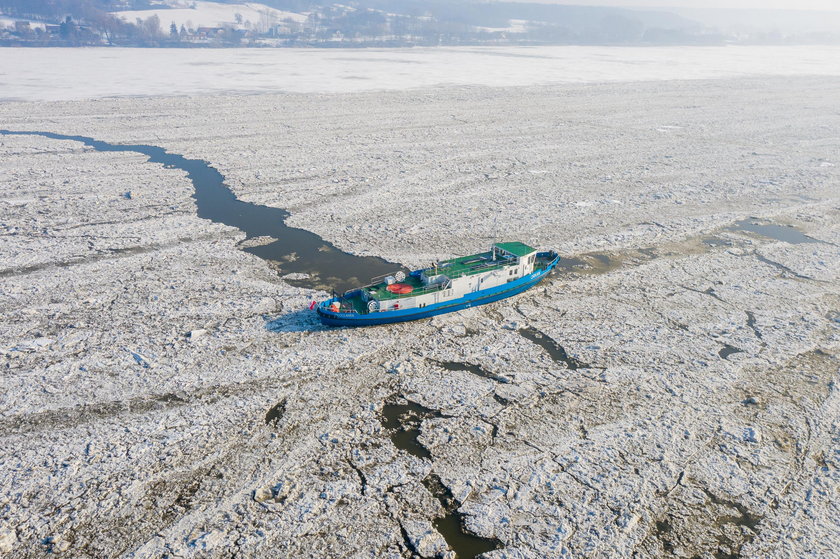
[832,5]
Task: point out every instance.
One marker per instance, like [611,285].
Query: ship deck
[469,265]
[380,290]
[452,268]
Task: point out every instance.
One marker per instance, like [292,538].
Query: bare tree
[267,21]
[151,27]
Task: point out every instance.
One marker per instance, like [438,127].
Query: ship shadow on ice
[302,320]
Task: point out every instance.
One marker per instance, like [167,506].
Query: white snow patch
[6,21]
[514,26]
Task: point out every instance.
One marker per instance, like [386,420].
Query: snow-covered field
[195,13]
[164,393]
[53,74]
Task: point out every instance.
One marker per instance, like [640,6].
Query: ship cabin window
[511,272]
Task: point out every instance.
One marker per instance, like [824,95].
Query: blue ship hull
[474,299]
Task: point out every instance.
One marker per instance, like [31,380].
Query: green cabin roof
[516,248]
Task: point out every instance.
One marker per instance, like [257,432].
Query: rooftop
[516,248]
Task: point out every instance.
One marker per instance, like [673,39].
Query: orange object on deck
[400,288]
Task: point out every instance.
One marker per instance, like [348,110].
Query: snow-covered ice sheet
[63,74]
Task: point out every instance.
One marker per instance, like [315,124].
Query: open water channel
[295,250]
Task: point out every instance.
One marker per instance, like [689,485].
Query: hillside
[191,23]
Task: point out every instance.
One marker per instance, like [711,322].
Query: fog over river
[49,74]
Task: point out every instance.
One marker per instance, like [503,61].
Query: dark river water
[295,250]
[773,231]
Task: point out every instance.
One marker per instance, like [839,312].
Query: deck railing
[420,291]
[376,280]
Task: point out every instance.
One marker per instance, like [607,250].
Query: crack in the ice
[710,291]
[112,254]
[554,350]
[476,370]
[362,477]
[751,324]
[783,268]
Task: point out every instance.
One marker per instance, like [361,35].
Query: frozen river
[70,74]
[671,392]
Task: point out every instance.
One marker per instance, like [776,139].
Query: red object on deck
[400,288]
